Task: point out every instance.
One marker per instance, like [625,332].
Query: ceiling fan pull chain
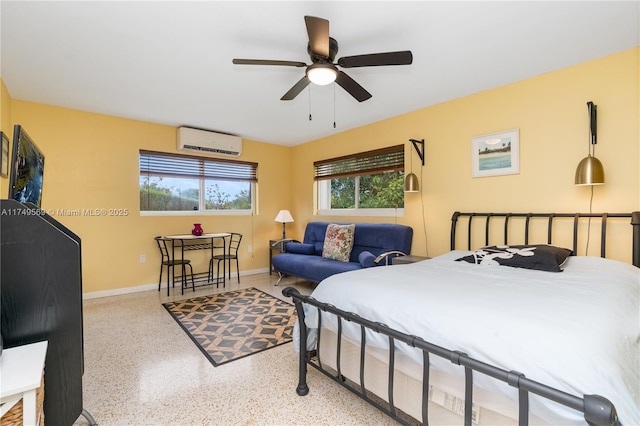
[309,103]
[334,105]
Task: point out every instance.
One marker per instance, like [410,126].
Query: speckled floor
[142,369]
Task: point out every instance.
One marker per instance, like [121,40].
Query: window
[370,182]
[195,185]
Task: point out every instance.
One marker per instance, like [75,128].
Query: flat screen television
[27,169]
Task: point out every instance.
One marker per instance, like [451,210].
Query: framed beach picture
[496,154]
[4,160]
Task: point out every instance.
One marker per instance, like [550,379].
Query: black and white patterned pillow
[540,257]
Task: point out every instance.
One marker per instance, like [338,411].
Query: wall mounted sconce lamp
[411,183]
[590,170]
[284,217]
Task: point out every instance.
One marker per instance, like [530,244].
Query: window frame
[359,164]
[209,168]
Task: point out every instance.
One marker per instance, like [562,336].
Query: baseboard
[119,291]
[147,287]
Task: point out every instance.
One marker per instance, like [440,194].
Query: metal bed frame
[597,410]
[634,216]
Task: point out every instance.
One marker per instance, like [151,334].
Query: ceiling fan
[322,50]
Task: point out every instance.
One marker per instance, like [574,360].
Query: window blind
[363,163]
[188,166]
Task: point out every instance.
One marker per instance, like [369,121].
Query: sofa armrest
[367,259]
[385,256]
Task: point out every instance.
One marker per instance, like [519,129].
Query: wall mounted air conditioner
[204,141]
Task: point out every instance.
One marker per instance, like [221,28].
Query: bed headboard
[529,218]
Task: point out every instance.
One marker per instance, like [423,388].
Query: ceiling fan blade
[296,89]
[318,30]
[404,57]
[268,62]
[353,88]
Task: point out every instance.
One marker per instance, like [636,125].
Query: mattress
[577,330]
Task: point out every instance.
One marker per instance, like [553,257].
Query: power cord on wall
[586,253]
[424,224]
[592,152]
[252,233]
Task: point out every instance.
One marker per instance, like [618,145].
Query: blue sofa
[371,240]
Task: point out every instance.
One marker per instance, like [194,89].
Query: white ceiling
[169,62]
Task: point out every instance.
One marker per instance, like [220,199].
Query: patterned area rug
[235,324]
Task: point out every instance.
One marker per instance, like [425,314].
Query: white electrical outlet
[143,258]
[249,249]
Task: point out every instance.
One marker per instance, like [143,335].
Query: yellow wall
[5,126]
[92,162]
[550,112]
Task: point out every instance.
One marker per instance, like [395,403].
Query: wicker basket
[13,417]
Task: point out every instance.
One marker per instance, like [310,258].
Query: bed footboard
[597,410]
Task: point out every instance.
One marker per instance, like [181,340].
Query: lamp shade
[411,183]
[590,172]
[284,216]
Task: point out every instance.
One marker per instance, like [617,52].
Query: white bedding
[577,330]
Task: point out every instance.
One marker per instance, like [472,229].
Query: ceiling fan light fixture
[322,73]
[322,50]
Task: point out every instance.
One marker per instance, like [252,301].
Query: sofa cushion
[338,242]
[311,268]
[378,238]
[366,259]
[299,248]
